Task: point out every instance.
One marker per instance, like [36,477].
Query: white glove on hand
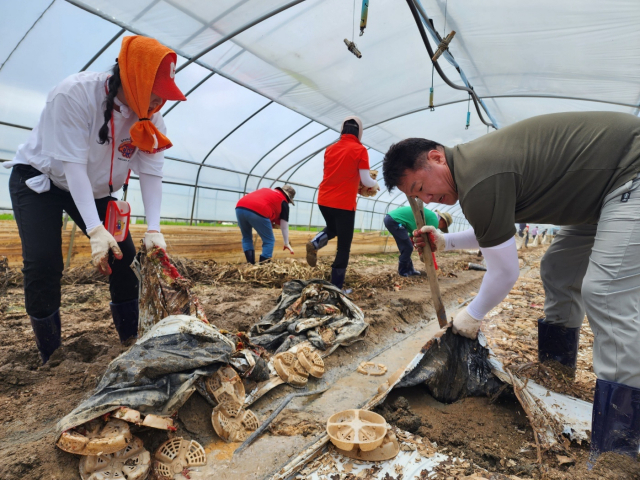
[101,242]
[465,325]
[154,239]
[435,236]
[288,247]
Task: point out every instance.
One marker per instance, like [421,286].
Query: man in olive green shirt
[574,169]
[401,223]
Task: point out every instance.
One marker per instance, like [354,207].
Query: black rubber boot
[615,421]
[250,255]
[316,243]
[558,343]
[406,269]
[264,259]
[47,331]
[337,276]
[125,318]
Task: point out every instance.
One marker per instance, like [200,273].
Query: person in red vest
[346,164]
[262,210]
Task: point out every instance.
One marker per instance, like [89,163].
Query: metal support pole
[195,192]
[313,201]
[266,154]
[238,31]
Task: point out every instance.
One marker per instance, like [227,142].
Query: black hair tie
[142,119]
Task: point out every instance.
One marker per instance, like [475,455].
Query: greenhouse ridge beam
[239,31]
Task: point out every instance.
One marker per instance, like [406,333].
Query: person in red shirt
[262,210]
[346,164]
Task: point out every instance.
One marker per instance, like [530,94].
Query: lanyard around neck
[113,153]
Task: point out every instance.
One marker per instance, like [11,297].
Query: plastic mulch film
[163,291]
[312,310]
[155,376]
[453,367]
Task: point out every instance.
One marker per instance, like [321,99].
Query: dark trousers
[340,224]
[401,237]
[39,219]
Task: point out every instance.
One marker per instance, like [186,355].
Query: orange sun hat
[147,66]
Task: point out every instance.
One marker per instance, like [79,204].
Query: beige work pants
[596,268]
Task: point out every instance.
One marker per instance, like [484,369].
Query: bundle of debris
[163,291]
[146,385]
[313,310]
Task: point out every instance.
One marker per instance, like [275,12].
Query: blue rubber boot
[47,331]
[250,255]
[125,318]
[316,243]
[615,421]
[406,269]
[558,343]
[337,276]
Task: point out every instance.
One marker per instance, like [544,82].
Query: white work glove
[465,325]
[288,247]
[435,236]
[101,242]
[154,239]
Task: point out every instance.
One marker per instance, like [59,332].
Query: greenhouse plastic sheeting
[264,103]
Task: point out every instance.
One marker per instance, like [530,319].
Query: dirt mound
[296,422]
[83,275]
[277,272]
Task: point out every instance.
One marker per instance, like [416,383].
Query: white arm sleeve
[82,193]
[503,270]
[151,188]
[459,240]
[284,228]
[366,179]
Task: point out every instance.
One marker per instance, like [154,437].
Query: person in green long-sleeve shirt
[401,223]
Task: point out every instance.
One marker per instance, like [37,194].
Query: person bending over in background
[262,210]
[93,129]
[575,169]
[401,223]
[346,164]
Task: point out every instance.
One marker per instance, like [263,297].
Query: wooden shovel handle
[418,212]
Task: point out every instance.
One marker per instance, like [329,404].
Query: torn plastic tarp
[313,310]
[157,374]
[554,414]
[453,367]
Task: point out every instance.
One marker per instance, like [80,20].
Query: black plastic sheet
[453,367]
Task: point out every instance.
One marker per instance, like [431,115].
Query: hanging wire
[469,113]
[444,33]
[353,23]
[431,106]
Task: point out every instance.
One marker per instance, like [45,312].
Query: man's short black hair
[403,156]
[350,127]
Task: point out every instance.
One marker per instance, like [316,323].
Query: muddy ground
[34,397]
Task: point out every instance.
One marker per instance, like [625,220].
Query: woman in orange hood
[94,128]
